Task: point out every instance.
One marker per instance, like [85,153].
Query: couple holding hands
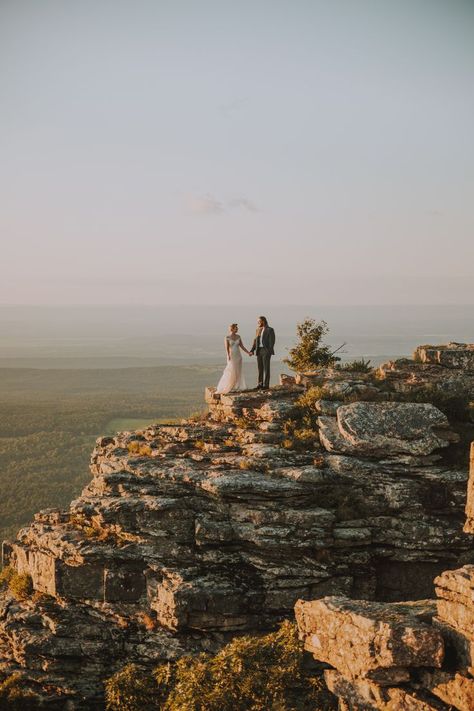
[263,344]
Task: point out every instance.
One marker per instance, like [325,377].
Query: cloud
[243,203]
[206,205]
[211,205]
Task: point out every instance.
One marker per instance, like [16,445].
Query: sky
[217,152]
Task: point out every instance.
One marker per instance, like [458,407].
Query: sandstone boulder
[370,640]
[386,429]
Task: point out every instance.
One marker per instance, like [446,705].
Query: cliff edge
[335,483]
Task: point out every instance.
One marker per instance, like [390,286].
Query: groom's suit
[263,345]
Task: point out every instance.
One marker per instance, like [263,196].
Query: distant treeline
[49,420]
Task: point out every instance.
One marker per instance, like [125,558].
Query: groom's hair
[262,318]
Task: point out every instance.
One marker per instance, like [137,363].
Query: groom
[263,345]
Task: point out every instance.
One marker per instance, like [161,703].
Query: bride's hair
[233,325]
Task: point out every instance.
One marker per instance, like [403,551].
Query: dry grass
[19,584]
[139,448]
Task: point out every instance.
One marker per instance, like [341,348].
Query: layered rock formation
[416,656]
[190,534]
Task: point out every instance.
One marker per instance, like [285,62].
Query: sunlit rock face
[453,355]
[190,534]
[371,640]
[469,525]
[415,656]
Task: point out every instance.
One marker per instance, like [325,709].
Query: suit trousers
[263,362]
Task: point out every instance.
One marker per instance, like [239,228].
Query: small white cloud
[211,205]
[243,203]
[206,205]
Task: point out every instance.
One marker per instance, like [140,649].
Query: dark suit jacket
[268,340]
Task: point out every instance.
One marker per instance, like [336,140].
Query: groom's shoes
[259,387]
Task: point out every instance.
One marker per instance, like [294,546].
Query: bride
[232,377]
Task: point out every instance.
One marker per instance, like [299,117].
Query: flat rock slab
[451,355]
[373,640]
[386,429]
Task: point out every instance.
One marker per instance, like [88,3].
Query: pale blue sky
[224,152]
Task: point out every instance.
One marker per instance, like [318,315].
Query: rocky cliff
[402,656]
[335,483]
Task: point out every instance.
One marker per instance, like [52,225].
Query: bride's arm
[227,347]
[243,347]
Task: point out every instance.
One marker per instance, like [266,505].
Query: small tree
[309,353]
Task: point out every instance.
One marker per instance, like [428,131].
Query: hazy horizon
[86,336]
[259,152]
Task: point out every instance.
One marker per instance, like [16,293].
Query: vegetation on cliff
[310,352]
[248,674]
[19,584]
[15,697]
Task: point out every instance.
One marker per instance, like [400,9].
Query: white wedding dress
[232,377]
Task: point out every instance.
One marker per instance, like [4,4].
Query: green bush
[248,674]
[310,353]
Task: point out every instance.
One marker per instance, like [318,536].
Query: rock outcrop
[190,534]
[410,656]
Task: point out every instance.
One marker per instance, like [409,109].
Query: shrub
[5,576]
[310,353]
[299,438]
[19,584]
[132,689]
[357,366]
[15,697]
[135,447]
[301,428]
[248,674]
